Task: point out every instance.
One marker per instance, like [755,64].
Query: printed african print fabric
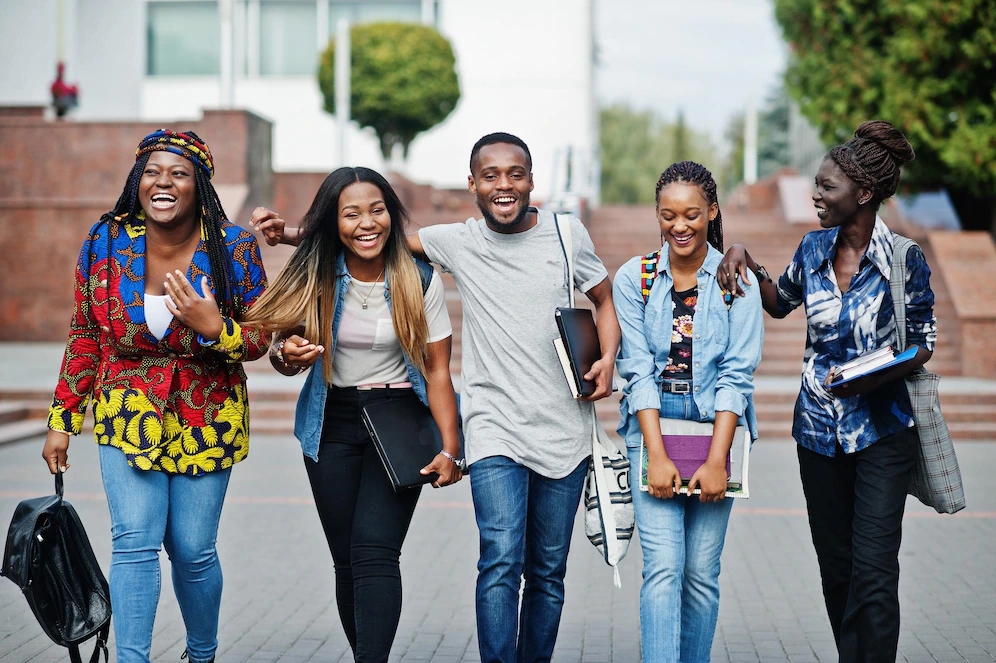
[842,326]
[679,359]
[171,405]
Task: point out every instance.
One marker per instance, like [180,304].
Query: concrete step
[15,431]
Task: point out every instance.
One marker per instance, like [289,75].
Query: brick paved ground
[278,594]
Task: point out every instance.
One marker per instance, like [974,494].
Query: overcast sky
[704,56]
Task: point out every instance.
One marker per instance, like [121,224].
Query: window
[183,39]
[287,37]
[409,11]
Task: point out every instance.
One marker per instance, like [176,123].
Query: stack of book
[687,444]
[870,363]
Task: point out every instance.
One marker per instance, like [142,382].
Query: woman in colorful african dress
[161,284]
[856,443]
[379,331]
[687,353]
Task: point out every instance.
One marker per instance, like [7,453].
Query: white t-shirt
[157,316]
[367,350]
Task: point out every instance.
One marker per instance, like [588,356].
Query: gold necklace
[370,292]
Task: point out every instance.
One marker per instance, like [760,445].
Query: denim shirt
[310,413]
[842,326]
[726,345]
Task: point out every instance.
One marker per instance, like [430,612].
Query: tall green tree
[403,81]
[927,66]
[773,133]
[636,147]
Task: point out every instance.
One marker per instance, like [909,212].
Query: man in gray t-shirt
[527,439]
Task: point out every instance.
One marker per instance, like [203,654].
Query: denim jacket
[726,345]
[310,413]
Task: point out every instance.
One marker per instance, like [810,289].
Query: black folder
[406,438]
[580,337]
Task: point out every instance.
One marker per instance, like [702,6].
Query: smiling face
[837,197]
[167,191]
[364,224]
[684,214]
[502,182]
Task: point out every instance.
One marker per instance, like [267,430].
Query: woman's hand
[663,478]
[733,263]
[448,471]
[56,451]
[711,479]
[300,352]
[199,313]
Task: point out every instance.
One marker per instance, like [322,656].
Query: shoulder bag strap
[566,244]
[897,283]
[648,272]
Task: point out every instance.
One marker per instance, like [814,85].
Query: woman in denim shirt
[381,332]
[685,354]
[856,444]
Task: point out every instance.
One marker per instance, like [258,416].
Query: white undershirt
[367,349]
[157,316]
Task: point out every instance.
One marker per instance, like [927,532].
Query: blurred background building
[526,70]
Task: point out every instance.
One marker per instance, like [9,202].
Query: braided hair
[127,208]
[697,174]
[873,158]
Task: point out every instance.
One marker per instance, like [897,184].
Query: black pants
[856,504]
[365,522]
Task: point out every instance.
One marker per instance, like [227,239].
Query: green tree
[773,133]
[732,171]
[682,151]
[636,147]
[927,66]
[403,81]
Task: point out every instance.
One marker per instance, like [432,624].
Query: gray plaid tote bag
[936,479]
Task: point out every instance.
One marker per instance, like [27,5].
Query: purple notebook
[688,452]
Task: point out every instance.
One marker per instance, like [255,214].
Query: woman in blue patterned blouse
[856,444]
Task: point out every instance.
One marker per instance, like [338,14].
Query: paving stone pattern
[278,603]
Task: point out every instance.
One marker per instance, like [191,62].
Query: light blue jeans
[525,522]
[682,541]
[150,510]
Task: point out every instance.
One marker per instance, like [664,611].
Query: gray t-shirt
[514,398]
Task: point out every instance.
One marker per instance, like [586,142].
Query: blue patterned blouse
[843,326]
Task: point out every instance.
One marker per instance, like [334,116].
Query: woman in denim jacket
[381,332]
[687,353]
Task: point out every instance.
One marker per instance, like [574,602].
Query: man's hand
[601,373]
[273,228]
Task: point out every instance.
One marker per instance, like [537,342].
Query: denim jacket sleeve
[636,363]
[734,382]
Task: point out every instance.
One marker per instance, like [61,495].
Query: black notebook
[406,438]
[580,348]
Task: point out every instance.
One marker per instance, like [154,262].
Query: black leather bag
[49,557]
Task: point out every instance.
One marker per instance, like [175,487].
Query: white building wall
[526,69]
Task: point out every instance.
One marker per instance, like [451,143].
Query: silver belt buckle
[679,387]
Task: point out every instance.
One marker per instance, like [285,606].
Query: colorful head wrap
[187,145]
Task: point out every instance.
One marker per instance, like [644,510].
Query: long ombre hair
[304,291]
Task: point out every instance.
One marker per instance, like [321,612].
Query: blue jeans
[682,541]
[525,522]
[150,509]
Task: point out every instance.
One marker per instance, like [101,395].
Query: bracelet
[277,351]
[453,458]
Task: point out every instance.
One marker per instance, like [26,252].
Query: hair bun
[890,138]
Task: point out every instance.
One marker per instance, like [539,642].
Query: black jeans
[365,522]
[856,504]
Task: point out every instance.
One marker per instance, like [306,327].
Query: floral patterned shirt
[173,405]
[679,360]
[842,326]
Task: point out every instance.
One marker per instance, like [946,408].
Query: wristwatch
[762,273]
